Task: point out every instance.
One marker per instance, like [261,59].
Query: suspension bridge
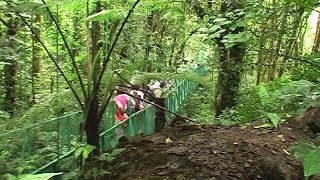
[46,147]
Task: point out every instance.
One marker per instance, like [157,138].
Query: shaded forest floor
[210,152]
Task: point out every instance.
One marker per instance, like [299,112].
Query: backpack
[130,107]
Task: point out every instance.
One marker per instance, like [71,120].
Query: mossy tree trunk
[261,56]
[91,114]
[148,47]
[316,43]
[10,68]
[231,61]
[35,56]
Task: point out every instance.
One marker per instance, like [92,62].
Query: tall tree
[35,69]
[316,43]
[231,61]
[293,37]
[10,68]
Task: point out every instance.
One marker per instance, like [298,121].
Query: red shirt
[122,101]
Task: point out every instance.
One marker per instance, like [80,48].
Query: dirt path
[208,152]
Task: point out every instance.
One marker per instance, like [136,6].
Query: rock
[178,150]
[246,165]
[314,177]
[274,169]
[311,119]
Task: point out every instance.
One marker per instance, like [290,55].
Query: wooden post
[160,120]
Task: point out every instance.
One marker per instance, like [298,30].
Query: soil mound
[209,152]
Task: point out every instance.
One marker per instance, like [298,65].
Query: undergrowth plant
[199,106]
[42,176]
[273,102]
[89,170]
[310,155]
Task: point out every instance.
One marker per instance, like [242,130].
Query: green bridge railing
[44,147]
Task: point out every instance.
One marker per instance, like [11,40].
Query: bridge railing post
[160,121]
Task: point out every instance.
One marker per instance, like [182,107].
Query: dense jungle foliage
[58,57]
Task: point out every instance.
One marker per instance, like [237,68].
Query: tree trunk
[35,56]
[272,43]
[10,69]
[149,31]
[159,45]
[276,52]
[92,123]
[76,35]
[261,55]
[1,30]
[316,43]
[126,50]
[87,64]
[91,114]
[231,66]
[160,121]
[172,49]
[96,35]
[210,3]
[198,9]
[292,41]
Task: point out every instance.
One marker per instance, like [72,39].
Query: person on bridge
[139,104]
[123,104]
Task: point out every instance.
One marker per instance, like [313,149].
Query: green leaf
[241,23]
[274,118]
[308,4]
[9,177]
[311,163]
[78,152]
[229,45]
[118,151]
[108,158]
[301,148]
[43,176]
[203,30]
[206,19]
[214,28]
[225,23]
[28,6]
[310,154]
[108,15]
[5,63]
[266,125]
[218,20]
[215,35]
[87,150]
[229,14]
[233,27]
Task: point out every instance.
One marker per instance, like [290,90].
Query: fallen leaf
[285,151]
[168,140]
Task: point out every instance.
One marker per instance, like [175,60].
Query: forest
[239,94]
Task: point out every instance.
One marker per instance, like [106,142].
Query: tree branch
[133,86]
[160,107]
[74,64]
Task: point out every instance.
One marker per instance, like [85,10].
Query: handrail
[126,120]
[40,124]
